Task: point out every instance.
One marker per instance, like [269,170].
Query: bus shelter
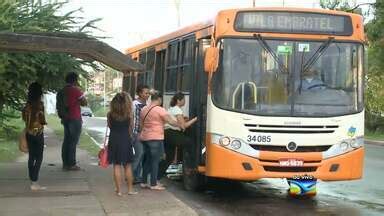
[88,49]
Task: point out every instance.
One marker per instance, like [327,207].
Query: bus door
[180,76]
[198,105]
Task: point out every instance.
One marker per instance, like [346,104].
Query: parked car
[86,111]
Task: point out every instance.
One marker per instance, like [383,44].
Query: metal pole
[105,101]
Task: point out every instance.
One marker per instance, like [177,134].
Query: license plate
[291,162]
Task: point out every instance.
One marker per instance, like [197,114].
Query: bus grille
[284,149]
[296,129]
[289,169]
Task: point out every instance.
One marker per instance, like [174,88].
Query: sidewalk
[85,192]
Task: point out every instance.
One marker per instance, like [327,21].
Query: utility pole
[177,5]
[253,3]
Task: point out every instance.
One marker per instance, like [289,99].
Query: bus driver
[311,81]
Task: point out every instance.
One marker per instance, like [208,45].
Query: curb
[374,142]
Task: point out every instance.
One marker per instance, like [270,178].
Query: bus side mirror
[211,60]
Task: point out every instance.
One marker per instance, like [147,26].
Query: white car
[86,111]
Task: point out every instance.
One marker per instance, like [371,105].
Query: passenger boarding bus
[278,93]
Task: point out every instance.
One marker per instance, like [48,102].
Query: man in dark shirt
[74,98]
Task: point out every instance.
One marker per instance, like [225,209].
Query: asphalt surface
[269,196]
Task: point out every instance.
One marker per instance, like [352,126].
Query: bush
[374,122]
[94,102]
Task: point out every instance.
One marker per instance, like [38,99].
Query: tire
[192,179]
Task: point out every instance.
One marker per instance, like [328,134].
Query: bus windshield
[289,77]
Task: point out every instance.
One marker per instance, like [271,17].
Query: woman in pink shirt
[153,117]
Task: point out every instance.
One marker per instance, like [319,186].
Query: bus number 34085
[258,139]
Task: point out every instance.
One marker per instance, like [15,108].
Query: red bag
[103,158]
[103,153]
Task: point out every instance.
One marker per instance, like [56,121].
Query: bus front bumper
[224,163]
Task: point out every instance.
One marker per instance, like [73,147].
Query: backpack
[61,104]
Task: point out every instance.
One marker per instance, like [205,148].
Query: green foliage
[94,101]
[377,135]
[335,4]
[374,90]
[375,76]
[101,112]
[9,136]
[18,70]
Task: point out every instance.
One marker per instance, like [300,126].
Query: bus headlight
[236,144]
[357,142]
[224,141]
[343,147]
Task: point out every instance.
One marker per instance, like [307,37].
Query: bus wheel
[192,179]
[302,188]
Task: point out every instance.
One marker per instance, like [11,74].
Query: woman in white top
[174,136]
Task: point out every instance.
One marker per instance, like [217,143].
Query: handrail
[242,84]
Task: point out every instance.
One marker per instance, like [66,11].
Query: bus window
[159,70]
[171,75]
[149,67]
[185,67]
[336,88]
[140,79]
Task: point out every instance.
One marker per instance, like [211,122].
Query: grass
[9,145]
[85,141]
[373,135]
[101,112]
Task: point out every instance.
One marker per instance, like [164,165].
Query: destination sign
[293,22]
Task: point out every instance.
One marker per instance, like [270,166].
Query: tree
[335,4]
[18,70]
[374,91]
[375,77]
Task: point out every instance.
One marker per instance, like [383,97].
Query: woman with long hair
[34,118]
[120,152]
[175,139]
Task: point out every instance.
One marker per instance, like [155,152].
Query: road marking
[94,141]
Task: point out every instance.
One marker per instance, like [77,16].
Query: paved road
[269,197]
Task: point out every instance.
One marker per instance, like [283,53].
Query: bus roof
[176,34]
[231,13]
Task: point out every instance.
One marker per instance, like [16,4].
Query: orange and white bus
[278,93]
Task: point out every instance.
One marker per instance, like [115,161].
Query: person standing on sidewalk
[33,115]
[120,149]
[153,117]
[142,92]
[72,122]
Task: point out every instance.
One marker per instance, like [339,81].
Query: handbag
[23,145]
[103,153]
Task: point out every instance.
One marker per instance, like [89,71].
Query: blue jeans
[137,164]
[72,131]
[153,149]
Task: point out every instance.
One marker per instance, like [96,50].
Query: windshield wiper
[319,52]
[264,44]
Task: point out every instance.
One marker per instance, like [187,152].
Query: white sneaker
[35,187]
